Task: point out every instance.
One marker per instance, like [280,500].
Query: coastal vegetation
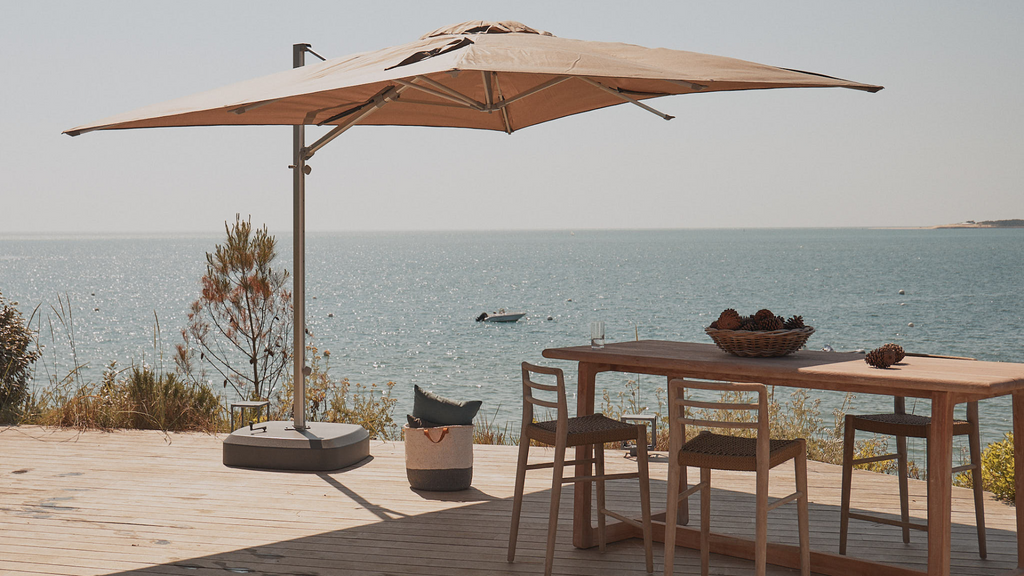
[1012,223]
[138,398]
[238,331]
[17,355]
[997,472]
[330,400]
[237,345]
[241,323]
[145,397]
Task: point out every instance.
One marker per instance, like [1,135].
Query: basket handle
[444,432]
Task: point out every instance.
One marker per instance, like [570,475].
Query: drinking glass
[597,335]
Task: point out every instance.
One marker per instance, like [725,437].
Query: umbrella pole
[299,259]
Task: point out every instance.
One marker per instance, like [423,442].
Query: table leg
[583,535]
[1018,471]
[940,484]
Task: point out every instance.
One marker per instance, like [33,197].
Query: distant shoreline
[1017,223]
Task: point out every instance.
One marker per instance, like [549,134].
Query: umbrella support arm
[626,98]
[389,94]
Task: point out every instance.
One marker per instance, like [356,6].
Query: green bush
[997,474]
[165,402]
[330,400]
[16,359]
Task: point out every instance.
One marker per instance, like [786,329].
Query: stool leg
[556,493]
[974,439]
[849,439]
[705,521]
[517,501]
[902,472]
[802,519]
[599,471]
[645,500]
[760,522]
[671,504]
[683,511]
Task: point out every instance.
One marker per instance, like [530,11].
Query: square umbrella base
[321,446]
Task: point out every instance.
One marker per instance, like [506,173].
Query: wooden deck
[146,503]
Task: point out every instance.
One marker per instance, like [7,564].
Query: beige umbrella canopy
[515,75]
[501,76]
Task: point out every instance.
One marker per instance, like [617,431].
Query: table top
[914,376]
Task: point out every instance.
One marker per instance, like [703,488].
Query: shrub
[142,400]
[329,400]
[877,446]
[16,359]
[166,402]
[997,474]
[486,431]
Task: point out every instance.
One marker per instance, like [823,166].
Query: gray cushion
[443,411]
[415,422]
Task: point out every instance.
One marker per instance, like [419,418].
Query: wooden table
[944,381]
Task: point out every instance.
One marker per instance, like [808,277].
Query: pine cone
[881,357]
[900,354]
[770,323]
[763,314]
[748,323]
[794,323]
[729,312]
[729,320]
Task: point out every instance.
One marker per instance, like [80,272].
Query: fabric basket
[439,459]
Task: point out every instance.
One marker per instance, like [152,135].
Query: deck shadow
[472,539]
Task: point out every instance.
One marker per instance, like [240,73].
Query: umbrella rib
[690,85]
[383,93]
[504,112]
[389,95]
[435,103]
[438,86]
[487,88]
[442,91]
[618,94]
[534,90]
[248,107]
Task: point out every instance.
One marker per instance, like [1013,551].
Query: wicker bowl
[760,344]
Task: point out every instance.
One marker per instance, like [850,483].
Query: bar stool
[903,426]
[716,451]
[592,430]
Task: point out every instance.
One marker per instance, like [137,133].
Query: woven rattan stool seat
[734,453]
[895,424]
[591,429]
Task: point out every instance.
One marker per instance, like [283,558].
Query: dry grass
[138,398]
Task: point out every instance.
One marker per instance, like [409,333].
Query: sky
[942,143]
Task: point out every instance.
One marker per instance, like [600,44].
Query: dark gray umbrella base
[322,446]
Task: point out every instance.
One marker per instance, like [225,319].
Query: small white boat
[500,316]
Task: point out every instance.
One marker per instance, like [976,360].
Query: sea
[400,307]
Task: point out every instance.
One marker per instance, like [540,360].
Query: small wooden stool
[647,419]
[247,405]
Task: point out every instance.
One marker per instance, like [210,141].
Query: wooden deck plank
[145,503]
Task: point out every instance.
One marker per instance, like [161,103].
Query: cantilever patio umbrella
[500,76]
